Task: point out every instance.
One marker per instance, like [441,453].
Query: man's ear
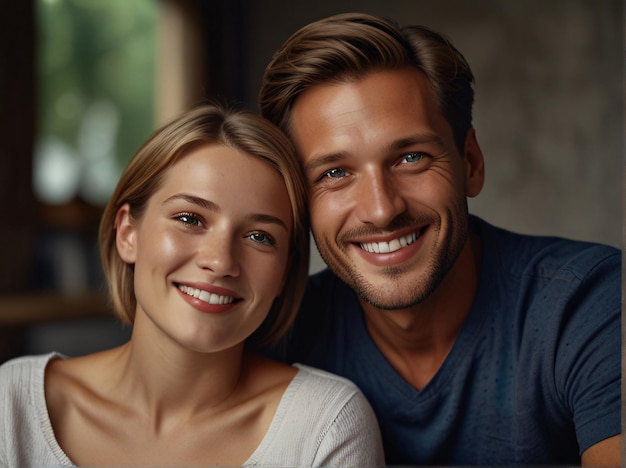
[126,234]
[475,164]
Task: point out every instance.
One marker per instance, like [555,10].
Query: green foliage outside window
[96,87]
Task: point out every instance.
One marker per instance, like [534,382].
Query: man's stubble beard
[402,294]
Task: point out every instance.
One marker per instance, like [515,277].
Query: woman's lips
[206,296]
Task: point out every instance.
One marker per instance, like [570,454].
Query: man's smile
[391,246]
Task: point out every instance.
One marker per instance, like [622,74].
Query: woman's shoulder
[324,394]
[25,368]
[325,380]
[301,386]
[22,397]
[25,426]
[298,375]
[332,414]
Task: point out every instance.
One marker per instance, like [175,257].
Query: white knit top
[322,420]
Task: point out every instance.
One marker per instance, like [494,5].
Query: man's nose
[379,199]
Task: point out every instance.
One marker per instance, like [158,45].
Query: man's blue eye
[412,157]
[335,173]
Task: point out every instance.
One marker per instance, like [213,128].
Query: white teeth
[206,296]
[388,247]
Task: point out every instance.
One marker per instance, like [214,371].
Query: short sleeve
[588,367]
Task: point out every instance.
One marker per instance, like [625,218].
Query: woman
[205,248]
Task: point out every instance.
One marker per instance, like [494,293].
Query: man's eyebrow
[399,144]
[423,138]
[209,205]
[322,160]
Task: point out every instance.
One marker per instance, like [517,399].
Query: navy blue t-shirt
[533,377]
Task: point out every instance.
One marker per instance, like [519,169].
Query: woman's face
[211,249]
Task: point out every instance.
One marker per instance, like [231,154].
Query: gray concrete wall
[549,110]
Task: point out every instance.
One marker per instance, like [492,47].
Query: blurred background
[84,82]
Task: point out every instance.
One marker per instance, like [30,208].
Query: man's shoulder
[543,255]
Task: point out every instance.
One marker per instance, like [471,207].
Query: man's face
[387,185]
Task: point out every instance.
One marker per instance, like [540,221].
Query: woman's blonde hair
[212,124]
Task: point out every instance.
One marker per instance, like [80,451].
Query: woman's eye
[335,173]
[412,157]
[261,238]
[188,219]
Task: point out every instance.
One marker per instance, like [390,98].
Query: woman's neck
[169,382]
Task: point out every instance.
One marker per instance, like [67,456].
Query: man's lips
[206,296]
[392,245]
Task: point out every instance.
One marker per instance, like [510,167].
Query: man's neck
[417,340]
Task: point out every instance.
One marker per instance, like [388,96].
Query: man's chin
[388,294]
[383,302]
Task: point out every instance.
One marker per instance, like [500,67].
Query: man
[475,345]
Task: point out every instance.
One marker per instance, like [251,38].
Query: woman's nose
[218,252]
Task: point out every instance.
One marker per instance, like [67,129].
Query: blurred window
[95,94]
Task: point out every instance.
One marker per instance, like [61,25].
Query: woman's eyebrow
[214,207]
[269,219]
[201,202]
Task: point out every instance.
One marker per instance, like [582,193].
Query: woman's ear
[126,234]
